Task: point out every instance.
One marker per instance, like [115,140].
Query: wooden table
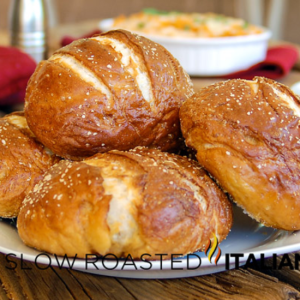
[30,282]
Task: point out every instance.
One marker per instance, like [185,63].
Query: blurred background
[281,15]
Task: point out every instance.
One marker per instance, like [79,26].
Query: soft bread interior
[18,121]
[125,195]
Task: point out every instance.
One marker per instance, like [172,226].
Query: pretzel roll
[116,90]
[136,202]
[247,136]
[23,161]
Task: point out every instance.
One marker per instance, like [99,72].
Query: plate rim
[206,266]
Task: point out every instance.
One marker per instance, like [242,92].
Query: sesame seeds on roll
[246,134]
[23,162]
[135,202]
[112,91]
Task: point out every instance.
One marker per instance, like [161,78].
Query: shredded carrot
[154,22]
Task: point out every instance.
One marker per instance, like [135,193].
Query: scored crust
[136,202]
[23,162]
[116,90]
[246,134]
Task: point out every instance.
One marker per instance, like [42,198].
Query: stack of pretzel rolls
[112,107]
[90,103]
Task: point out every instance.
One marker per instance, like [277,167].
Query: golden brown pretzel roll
[136,202]
[113,91]
[23,161]
[247,136]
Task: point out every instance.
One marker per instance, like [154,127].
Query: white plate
[212,56]
[247,236]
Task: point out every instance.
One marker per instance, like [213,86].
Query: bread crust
[135,202]
[117,90]
[246,134]
[23,162]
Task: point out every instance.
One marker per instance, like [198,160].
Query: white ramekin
[212,56]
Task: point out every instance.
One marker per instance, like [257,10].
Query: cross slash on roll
[246,134]
[134,202]
[112,91]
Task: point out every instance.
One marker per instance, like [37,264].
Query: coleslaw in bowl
[217,46]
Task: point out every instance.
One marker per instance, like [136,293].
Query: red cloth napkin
[278,63]
[16,67]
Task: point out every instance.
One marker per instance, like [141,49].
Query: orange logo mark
[213,249]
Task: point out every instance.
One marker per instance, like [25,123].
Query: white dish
[247,236]
[296,88]
[212,56]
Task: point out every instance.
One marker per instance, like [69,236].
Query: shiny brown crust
[247,136]
[23,162]
[113,91]
[136,202]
